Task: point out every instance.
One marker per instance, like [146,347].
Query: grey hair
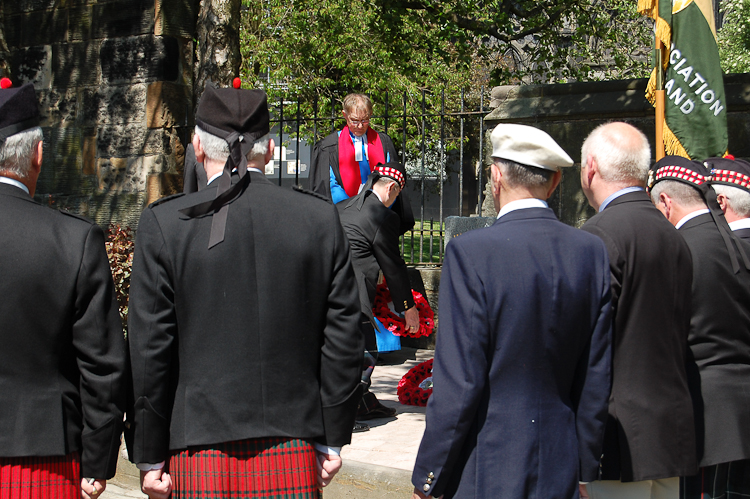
[388,180]
[618,159]
[17,150]
[518,175]
[737,199]
[217,148]
[680,192]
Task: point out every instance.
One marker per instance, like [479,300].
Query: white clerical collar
[743,223]
[12,181]
[691,216]
[214,177]
[522,204]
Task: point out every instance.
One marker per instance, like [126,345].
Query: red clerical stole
[348,166]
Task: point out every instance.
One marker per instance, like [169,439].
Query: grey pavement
[377,464]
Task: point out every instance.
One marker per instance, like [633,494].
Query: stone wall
[568,112]
[114,80]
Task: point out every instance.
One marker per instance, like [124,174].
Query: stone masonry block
[58,107]
[176,18]
[33,64]
[121,174]
[122,18]
[139,59]
[75,65]
[49,26]
[162,184]
[88,153]
[16,6]
[62,158]
[79,23]
[167,104]
[113,105]
[131,140]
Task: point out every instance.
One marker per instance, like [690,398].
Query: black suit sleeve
[343,348]
[616,262]
[319,176]
[152,331]
[100,348]
[386,251]
[402,206]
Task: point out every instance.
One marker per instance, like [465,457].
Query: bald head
[621,152]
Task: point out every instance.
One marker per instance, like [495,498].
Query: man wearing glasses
[343,160]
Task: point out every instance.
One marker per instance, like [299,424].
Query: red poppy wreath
[415,387]
[395,323]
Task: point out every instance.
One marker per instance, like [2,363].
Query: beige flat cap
[529,146]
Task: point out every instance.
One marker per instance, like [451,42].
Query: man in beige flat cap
[521,370]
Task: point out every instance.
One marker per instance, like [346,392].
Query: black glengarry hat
[19,110]
[729,171]
[239,116]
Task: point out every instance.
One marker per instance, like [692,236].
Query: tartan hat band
[392,173]
[730,177]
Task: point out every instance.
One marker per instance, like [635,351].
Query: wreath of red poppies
[415,387]
[395,323]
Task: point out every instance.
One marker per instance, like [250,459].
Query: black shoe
[379,411]
[360,427]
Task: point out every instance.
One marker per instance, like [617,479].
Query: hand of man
[156,484]
[328,466]
[92,490]
[419,495]
[583,491]
[412,319]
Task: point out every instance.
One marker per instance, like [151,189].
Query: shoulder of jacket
[166,199]
[301,189]
[76,216]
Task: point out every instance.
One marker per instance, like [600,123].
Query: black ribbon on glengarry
[236,164]
[730,239]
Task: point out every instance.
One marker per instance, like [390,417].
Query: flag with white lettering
[695,106]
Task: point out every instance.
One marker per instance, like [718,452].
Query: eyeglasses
[359,122]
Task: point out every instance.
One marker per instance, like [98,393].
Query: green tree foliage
[423,53]
[734,36]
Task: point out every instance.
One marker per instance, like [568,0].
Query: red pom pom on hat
[237,83]
[729,156]
[5,83]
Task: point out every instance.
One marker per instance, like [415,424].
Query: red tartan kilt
[278,468]
[40,477]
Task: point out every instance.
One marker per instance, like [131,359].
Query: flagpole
[659,94]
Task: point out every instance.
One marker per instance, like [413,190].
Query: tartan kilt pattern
[276,468]
[720,481]
[41,477]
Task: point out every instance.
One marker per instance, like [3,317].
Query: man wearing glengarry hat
[62,348]
[372,228]
[521,370]
[719,365]
[730,178]
[244,318]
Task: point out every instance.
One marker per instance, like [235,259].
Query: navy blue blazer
[522,362]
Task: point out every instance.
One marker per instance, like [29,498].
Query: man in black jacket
[373,232]
[730,178]
[62,360]
[719,340]
[649,441]
[342,161]
[244,316]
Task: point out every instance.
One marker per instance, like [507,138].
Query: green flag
[695,106]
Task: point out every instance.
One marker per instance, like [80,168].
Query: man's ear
[497,176]
[200,154]
[37,157]
[592,168]
[556,177]
[269,153]
[722,199]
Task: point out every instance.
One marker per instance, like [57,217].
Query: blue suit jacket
[522,362]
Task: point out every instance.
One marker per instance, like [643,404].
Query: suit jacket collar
[630,197]
[702,219]
[526,214]
[13,191]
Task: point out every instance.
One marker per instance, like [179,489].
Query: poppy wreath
[415,387]
[396,324]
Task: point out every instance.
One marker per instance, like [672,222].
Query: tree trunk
[218,53]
